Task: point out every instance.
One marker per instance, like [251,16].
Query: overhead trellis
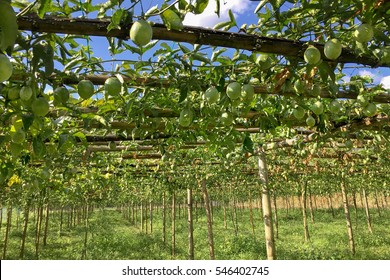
[193,35]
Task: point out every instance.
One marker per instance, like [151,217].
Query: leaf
[232,18]
[260,6]
[183,93]
[45,4]
[101,120]
[116,20]
[200,6]
[151,11]
[200,57]
[221,25]
[217,7]
[247,145]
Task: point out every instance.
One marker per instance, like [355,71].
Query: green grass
[113,237]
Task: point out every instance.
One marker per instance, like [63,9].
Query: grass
[113,237]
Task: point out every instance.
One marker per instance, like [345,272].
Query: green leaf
[217,7]
[200,57]
[260,6]
[232,18]
[221,25]
[247,145]
[116,20]
[200,6]
[44,7]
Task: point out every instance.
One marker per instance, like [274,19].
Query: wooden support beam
[189,34]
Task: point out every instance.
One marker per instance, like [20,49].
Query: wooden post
[266,206]
[173,220]
[209,219]
[347,215]
[191,254]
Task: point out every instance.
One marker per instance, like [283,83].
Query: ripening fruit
[264,61]
[112,86]
[40,107]
[211,95]
[334,106]
[61,94]
[186,117]
[13,93]
[312,55]
[19,136]
[299,113]
[233,90]
[85,89]
[369,110]
[299,86]
[332,49]
[141,32]
[317,108]
[6,68]
[26,93]
[247,92]
[310,121]
[364,33]
[226,119]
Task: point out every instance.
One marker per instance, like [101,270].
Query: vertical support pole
[266,206]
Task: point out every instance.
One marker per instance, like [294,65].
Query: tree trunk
[7,231]
[251,216]
[24,234]
[224,216]
[151,216]
[367,211]
[347,215]
[311,206]
[46,224]
[377,204]
[266,206]
[173,221]
[61,220]
[209,219]
[355,208]
[276,222]
[331,204]
[303,203]
[38,231]
[164,214]
[84,253]
[191,254]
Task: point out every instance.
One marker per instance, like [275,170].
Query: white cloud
[209,18]
[366,73]
[385,81]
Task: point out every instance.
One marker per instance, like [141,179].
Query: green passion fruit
[112,86]
[85,89]
[233,90]
[26,93]
[332,49]
[364,33]
[61,95]
[312,55]
[317,107]
[211,95]
[310,121]
[186,117]
[141,32]
[40,107]
[299,113]
[6,68]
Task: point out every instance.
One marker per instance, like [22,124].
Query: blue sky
[243,11]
